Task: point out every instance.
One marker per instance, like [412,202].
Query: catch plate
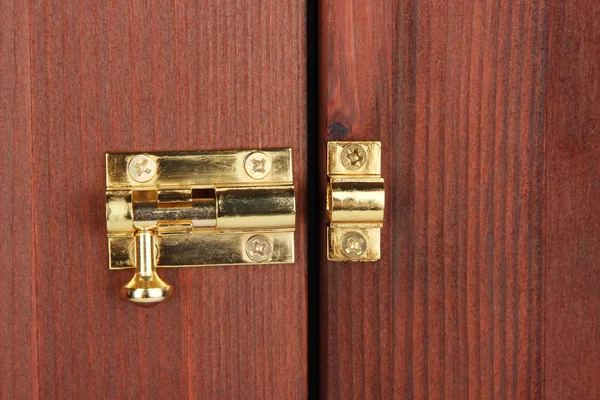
[355,201]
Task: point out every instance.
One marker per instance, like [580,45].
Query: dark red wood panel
[18,368]
[81,78]
[456,93]
[572,205]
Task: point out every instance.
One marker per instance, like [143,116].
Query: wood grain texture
[18,367]
[81,78]
[572,208]
[456,93]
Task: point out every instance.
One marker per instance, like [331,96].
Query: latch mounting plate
[204,208]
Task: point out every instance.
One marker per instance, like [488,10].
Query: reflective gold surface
[204,169]
[145,289]
[343,250]
[370,165]
[197,209]
[202,249]
[256,208]
[355,201]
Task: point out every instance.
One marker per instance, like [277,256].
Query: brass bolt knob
[145,289]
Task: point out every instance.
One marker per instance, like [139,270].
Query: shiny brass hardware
[355,201]
[145,288]
[167,210]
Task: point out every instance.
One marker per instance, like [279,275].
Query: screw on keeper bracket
[353,157]
[354,245]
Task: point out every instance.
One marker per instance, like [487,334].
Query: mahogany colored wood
[572,202]
[488,286]
[18,346]
[81,78]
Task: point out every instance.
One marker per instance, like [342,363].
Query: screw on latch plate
[257,165]
[141,168]
[259,248]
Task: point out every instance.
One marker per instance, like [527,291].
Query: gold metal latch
[197,209]
[355,201]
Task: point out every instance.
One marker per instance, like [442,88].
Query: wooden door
[489,280]
[83,77]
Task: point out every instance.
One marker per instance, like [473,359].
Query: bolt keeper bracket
[192,209]
[355,201]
